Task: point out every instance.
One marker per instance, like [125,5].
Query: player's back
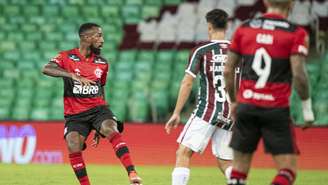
[208,59]
[266,44]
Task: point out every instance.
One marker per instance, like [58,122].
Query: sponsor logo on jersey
[73,57]
[249,94]
[99,61]
[85,90]
[98,72]
[264,38]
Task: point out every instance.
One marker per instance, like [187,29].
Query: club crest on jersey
[74,58]
[99,61]
[98,72]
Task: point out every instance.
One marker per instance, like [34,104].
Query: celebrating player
[210,119]
[84,73]
[272,51]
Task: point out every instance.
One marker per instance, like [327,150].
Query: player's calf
[284,177]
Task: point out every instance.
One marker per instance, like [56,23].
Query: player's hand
[308,115]
[83,81]
[95,140]
[233,111]
[172,123]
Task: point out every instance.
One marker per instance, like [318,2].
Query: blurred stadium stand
[147,43]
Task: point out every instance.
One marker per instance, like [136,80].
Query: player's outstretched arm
[184,92]
[301,84]
[52,69]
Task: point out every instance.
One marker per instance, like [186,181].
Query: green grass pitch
[152,175]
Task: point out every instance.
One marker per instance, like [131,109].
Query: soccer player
[272,51]
[210,119]
[84,73]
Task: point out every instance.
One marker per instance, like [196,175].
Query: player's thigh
[104,122]
[246,131]
[278,133]
[77,125]
[196,134]
[220,144]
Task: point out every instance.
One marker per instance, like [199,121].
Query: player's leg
[181,172]
[286,166]
[75,134]
[245,137]
[222,151]
[106,124]
[194,138]
[279,140]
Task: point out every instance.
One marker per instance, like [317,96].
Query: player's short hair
[218,18]
[283,4]
[87,26]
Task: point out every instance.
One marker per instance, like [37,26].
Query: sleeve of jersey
[103,79]
[194,63]
[59,60]
[300,45]
[235,43]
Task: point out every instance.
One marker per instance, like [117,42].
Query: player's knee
[108,128]
[183,152]
[74,145]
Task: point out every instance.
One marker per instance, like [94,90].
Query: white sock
[227,172]
[180,176]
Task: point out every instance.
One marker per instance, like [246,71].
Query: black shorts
[86,121]
[274,125]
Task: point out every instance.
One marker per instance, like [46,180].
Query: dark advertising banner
[38,142]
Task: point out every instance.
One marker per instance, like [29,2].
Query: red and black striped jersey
[208,60]
[265,45]
[78,98]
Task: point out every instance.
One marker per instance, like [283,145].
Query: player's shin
[284,177]
[122,151]
[79,168]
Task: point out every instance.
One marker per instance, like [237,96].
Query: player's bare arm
[184,92]
[229,72]
[301,84]
[52,69]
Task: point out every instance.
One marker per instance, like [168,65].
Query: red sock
[237,178]
[78,166]
[122,151]
[284,177]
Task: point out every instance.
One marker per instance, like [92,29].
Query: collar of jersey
[273,15]
[77,52]
[220,41]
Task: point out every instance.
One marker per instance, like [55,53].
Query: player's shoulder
[202,46]
[100,60]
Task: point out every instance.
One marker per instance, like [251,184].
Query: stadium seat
[110,11]
[40,114]
[90,11]
[20,113]
[131,14]
[149,11]
[31,10]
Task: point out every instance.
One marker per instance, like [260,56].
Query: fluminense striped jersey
[208,60]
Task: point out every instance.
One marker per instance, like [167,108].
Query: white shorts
[197,133]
